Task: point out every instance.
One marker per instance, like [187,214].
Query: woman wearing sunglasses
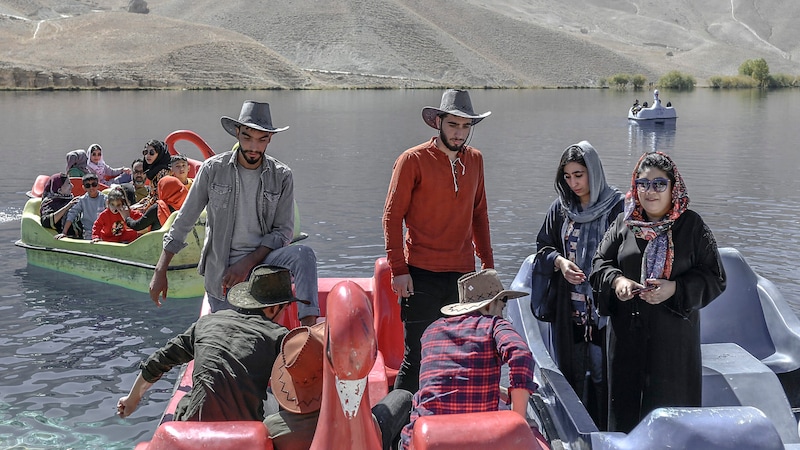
[656,267]
[156,165]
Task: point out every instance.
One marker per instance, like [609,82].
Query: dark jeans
[392,413]
[432,290]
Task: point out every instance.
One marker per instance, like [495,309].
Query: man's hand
[159,286]
[236,273]
[402,285]
[127,405]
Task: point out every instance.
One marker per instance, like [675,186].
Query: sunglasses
[658,184]
[88,185]
[150,152]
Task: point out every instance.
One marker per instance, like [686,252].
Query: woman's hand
[664,289]
[571,272]
[625,288]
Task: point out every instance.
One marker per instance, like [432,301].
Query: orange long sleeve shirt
[443,206]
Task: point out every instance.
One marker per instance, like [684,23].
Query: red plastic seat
[499,430]
[234,435]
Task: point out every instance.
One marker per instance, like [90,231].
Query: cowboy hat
[478,289]
[267,286]
[455,102]
[254,115]
[296,378]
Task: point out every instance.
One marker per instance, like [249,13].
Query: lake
[70,348]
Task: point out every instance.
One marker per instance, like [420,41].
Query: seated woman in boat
[156,166]
[105,172]
[77,163]
[463,352]
[110,226]
[57,199]
[179,167]
[172,193]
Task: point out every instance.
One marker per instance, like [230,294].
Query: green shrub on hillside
[758,69]
[638,81]
[620,80]
[676,80]
[782,80]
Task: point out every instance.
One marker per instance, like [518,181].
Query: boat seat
[233,435]
[496,430]
[752,313]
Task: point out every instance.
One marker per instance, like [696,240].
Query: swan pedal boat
[751,381]
[126,265]
[656,113]
[363,331]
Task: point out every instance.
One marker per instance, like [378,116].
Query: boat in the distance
[655,113]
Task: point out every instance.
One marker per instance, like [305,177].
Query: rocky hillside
[301,44]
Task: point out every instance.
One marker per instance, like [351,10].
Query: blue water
[69,348]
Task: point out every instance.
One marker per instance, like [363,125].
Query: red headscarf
[171,193]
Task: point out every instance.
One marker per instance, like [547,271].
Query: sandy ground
[289,44]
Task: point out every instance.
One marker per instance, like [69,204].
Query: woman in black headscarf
[156,165]
[57,199]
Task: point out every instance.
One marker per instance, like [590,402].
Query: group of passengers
[626,277]
[117,204]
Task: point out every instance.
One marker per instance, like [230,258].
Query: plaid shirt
[461,361]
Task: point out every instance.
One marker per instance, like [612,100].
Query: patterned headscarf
[659,253]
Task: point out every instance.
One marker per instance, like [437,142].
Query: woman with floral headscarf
[567,241]
[656,267]
[57,199]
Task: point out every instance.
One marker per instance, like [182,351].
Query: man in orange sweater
[437,190]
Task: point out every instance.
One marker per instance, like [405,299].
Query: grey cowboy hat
[478,289]
[254,115]
[455,102]
[267,286]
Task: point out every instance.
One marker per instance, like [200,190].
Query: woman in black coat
[656,267]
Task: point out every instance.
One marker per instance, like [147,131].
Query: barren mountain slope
[386,43]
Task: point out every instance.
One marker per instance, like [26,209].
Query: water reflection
[651,136]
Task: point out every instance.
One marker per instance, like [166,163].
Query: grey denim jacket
[216,188]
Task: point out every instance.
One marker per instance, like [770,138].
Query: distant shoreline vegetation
[753,73]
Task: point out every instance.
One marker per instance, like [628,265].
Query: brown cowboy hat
[455,102]
[478,289]
[267,286]
[296,378]
[254,115]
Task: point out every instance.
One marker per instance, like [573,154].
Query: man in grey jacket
[249,201]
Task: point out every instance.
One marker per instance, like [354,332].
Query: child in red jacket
[110,225]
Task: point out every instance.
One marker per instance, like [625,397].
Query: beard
[452,148]
[250,160]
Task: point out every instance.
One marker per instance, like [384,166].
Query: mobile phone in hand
[644,289]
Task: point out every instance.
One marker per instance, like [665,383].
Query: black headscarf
[161,162]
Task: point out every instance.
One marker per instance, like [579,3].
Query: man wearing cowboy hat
[462,354]
[249,201]
[233,353]
[437,191]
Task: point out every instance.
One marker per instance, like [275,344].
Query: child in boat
[105,172]
[57,199]
[462,354]
[88,208]
[110,225]
[172,193]
[179,166]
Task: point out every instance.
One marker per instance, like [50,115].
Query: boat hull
[126,265]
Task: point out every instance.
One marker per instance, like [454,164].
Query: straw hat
[296,378]
[476,290]
[267,286]
[254,115]
[455,102]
